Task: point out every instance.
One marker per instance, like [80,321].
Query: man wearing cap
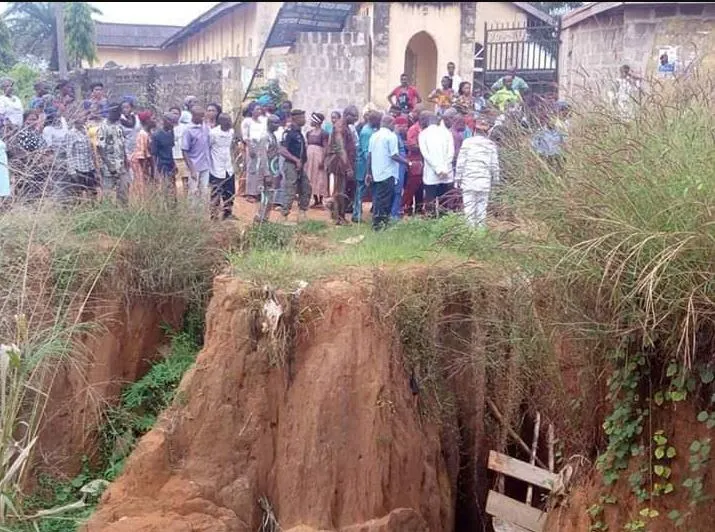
[477,169]
[295,180]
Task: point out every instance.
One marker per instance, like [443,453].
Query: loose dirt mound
[337,445]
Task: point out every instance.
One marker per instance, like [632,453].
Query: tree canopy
[556,8]
[79,33]
[33,30]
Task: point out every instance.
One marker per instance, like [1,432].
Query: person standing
[437,149]
[162,152]
[340,161]
[38,100]
[10,105]
[404,96]
[140,159]
[412,196]
[372,125]
[212,112]
[180,124]
[454,79]
[442,96]
[253,128]
[401,131]
[515,82]
[221,177]
[384,162]
[80,160]
[96,96]
[477,169]
[293,150]
[114,164]
[317,140]
[189,102]
[271,171]
[30,163]
[195,146]
[506,96]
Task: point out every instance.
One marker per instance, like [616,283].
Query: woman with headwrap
[130,125]
[317,140]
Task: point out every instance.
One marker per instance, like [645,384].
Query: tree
[7,56]
[79,32]
[556,8]
[32,27]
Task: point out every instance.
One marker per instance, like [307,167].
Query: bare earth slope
[339,447]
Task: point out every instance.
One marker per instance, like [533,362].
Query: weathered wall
[240,33]
[333,69]
[593,50]
[157,86]
[496,13]
[134,57]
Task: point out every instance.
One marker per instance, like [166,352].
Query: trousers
[295,182]
[475,206]
[383,193]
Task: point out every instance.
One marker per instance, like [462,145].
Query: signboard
[305,17]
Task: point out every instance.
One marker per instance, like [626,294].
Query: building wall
[333,69]
[157,86]
[134,57]
[496,13]
[593,50]
[240,33]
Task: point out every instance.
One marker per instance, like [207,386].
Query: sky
[168,13]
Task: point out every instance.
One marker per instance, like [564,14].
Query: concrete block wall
[157,87]
[593,50]
[333,69]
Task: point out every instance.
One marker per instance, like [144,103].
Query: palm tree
[32,26]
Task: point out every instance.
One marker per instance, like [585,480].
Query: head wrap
[144,116]
[317,118]
[189,100]
[264,99]
[170,117]
[129,99]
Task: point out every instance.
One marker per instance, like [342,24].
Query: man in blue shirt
[383,163]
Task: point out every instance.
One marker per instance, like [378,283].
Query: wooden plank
[516,512]
[521,470]
[505,526]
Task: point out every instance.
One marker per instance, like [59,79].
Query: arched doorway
[421,62]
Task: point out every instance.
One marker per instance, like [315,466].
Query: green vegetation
[59,264]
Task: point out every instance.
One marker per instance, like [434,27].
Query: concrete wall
[333,69]
[593,50]
[134,57]
[158,86]
[239,33]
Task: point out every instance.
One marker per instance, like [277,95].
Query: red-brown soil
[340,446]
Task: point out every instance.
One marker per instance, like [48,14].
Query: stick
[550,443]
[511,431]
[534,445]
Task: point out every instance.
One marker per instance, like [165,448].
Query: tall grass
[630,217]
[59,261]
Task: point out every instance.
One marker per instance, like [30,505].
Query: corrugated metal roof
[132,35]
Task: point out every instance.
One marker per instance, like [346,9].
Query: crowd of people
[412,158]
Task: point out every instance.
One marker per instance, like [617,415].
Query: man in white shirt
[383,163]
[437,149]
[477,169]
[454,77]
[221,174]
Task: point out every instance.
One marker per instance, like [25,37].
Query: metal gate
[531,48]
